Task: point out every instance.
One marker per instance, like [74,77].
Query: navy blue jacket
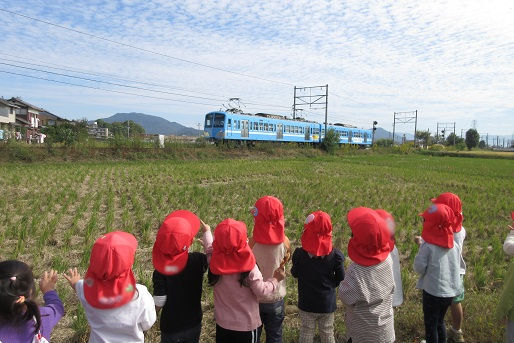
[318,278]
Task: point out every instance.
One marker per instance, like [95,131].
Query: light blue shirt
[439,270]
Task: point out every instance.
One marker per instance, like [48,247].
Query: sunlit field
[50,215]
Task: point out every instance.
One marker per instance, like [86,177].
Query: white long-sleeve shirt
[508,246]
[122,324]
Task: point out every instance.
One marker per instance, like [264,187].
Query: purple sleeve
[51,313]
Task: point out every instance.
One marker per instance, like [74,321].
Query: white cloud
[452,60]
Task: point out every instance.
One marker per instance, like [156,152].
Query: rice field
[51,213]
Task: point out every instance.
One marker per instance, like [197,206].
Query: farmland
[51,213]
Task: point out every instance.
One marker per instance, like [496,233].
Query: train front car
[214,126]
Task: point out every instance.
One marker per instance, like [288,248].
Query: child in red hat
[459,235]
[117,308]
[438,264]
[395,257]
[367,290]
[178,276]
[319,268]
[272,250]
[238,283]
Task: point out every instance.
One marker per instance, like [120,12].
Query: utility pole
[487,139]
[326,109]
[415,127]
[128,128]
[405,118]
[198,124]
[294,103]
[304,97]
[461,130]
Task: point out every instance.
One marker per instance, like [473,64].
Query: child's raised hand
[418,240]
[511,227]
[48,281]
[73,277]
[279,274]
[204,226]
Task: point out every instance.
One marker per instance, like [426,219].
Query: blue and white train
[228,126]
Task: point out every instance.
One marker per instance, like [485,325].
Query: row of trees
[125,129]
[471,141]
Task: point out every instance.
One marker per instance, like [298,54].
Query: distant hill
[154,124]
[381,133]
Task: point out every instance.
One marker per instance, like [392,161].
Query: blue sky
[450,60]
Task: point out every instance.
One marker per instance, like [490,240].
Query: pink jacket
[237,308]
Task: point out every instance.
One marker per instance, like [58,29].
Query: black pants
[187,336]
[231,336]
[434,309]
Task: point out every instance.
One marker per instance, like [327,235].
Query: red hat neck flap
[231,253]
[452,201]
[438,225]
[269,221]
[109,281]
[171,248]
[317,234]
[391,224]
[369,244]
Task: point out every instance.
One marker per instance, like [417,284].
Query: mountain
[154,124]
[381,133]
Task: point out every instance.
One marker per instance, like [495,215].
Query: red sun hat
[317,234]
[268,215]
[438,225]
[109,281]
[369,244]
[452,201]
[171,248]
[230,250]
[391,224]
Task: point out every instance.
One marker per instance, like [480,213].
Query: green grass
[51,213]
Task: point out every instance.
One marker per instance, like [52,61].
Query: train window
[219,120]
[229,123]
[271,127]
[208,122]
[238,124]
[344,133]
[266,127]
[261,126]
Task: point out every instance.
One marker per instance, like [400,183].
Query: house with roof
[49,119]
[27,114]
[7,118]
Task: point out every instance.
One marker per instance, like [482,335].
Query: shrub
[436,147]
[331,141]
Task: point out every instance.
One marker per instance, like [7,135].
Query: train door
[244,128]
[365,137]
[280,132]
[307,133]
[350,135]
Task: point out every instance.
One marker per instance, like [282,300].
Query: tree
[331,141]
[119,128]
[481,144]
[453,139]
[424,137]
[472,138]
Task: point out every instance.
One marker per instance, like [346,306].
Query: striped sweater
[367,293]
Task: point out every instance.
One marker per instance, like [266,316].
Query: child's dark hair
[17,280]
[214,278]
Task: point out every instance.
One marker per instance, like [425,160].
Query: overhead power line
[86,72]
[143,49]
[133,87]
[114,91]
